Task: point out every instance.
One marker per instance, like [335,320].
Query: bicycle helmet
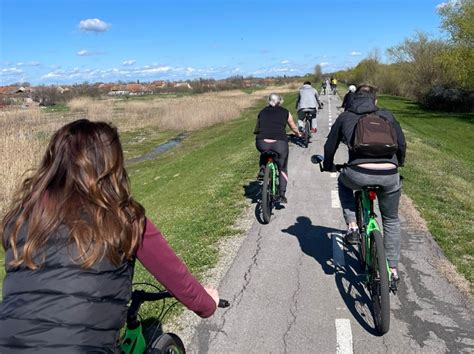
[275,99]
[352,88]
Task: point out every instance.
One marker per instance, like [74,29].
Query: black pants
[280,147]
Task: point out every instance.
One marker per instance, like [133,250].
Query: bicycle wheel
[379,286]
[307,133]
[267,194]
[168,343]
[360,223]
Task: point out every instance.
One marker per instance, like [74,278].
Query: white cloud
[354,53]
[9,71]
[53,75]
[128,62]
[284,61]
[94,25]
[324,64]
[87,53]
[31,63]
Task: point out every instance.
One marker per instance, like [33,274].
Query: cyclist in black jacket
[363,170]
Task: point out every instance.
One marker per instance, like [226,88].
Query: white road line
[338,250]
[333,174]
[344,336]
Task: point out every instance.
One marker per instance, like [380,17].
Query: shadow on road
[295,140]
[316,241]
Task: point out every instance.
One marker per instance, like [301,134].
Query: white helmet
[352,88]
[275,99]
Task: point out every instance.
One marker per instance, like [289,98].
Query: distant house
[183,85]
[138,90]
[8,90]
[118,90]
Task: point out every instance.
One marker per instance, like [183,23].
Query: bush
[449,99]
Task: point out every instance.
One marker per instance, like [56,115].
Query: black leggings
[280,147]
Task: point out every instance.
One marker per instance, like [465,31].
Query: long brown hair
[82,184]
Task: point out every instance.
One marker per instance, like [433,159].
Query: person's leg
[300,120]
[389,200]
[314,122]
[282,148]
[262,146]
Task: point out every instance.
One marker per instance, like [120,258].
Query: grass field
[439,176]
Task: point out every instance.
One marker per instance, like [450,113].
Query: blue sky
[72,41]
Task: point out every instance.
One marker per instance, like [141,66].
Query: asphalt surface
[294,286]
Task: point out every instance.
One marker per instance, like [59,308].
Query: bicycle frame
[370,223]
[273,167]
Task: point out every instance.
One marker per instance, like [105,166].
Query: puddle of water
[158,149]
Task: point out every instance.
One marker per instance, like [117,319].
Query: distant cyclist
[333,84]
[349,96]
[324,85]
[363,170]
[308,101]
[271,136]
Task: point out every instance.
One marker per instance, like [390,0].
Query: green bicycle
[133,340]
[371,253]
[270,185]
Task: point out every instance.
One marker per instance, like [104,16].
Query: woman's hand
[214,294]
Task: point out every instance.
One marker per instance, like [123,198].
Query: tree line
[439,73]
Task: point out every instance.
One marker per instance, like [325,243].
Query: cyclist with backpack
[71,239]
[376,149]
[307,101]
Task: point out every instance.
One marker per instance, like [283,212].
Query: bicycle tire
[168,343]
[267,194]
[379,284]
[360,223]
[307,133]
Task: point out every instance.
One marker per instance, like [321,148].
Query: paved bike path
[294,287]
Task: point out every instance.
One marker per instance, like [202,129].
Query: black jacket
[59,308]
[347,101]
[343,130]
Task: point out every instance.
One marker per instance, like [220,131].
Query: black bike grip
[223,303]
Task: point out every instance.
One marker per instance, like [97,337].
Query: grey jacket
[307,98]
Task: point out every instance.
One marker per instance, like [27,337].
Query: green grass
[439,176]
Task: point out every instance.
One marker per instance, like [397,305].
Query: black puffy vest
[62,307]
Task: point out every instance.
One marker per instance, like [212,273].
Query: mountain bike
[270,184]
[371,253]
[133,340]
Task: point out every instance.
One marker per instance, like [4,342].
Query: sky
[73,41]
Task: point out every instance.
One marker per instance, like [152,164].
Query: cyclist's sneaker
[282,199]
[394,280]
[352,236]
[314,130]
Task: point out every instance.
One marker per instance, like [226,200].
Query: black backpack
[374,136]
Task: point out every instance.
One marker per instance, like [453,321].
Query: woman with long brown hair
[71,237]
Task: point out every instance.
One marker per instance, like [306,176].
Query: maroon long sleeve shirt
[160,260]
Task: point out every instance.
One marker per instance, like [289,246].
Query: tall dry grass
[24,134]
